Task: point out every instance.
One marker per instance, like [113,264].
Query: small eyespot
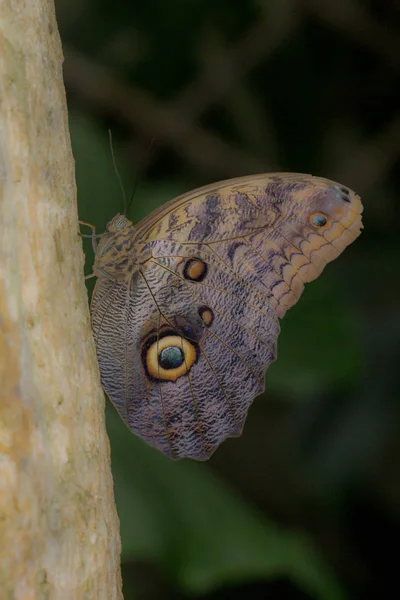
[195,269]
[318,220]
[207,315]
[171,357]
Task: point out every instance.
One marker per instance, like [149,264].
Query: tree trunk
[59,531]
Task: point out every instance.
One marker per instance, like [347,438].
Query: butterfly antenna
[138,174]
[117,172]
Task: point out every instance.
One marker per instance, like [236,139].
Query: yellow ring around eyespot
[155,369]
[319,214]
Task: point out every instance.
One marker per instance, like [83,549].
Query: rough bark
[59,531]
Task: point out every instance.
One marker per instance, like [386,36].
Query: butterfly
[186,307]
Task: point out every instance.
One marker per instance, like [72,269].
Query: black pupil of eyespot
[171,357]
[319,220]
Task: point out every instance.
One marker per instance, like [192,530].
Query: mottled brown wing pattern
[185,310]
[192,415]
[262,228]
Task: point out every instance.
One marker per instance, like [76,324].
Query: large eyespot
[318,220]
[167,358]
[195,269]
[206,315]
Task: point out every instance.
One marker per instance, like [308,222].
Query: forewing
[262,228]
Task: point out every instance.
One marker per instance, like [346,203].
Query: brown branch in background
[369,161]
[258,45]
[246,107]
[224,73]
[59,531]
[103,90]
[351,19]
[373,159]
[223,79]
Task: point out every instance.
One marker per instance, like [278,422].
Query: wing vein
[215,309]
[190,383]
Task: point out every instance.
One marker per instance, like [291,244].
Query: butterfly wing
[184,342]
[262,227]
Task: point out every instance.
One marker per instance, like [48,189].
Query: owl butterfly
[186,307]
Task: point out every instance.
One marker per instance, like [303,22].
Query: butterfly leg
[94,242]
[90,276]
[92,236]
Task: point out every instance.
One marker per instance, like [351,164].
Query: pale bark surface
[59,531]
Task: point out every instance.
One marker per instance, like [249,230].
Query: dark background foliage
[306,503]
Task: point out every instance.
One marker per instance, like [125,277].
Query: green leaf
[319,346]
[197,530]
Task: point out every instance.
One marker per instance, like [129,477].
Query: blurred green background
[306,504]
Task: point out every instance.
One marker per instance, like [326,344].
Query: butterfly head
[118,224]
[118,255]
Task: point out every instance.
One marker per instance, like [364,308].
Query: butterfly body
[186,307]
